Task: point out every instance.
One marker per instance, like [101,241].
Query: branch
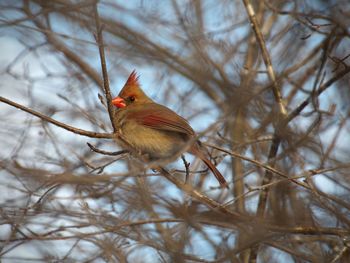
[269,169]
[106,152]
[99,39]
[69,54]
[57,123]
[201,197]
[282,114]
[266,57]
[325,86]
[187,166]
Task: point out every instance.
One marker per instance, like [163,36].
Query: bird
[154,131]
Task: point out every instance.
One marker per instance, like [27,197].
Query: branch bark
[99,39]
[57,123]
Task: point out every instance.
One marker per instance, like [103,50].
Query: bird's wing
[159,117]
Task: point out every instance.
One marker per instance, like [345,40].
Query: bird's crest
[132,88]
[133,79]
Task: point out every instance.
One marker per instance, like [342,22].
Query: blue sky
[154,80]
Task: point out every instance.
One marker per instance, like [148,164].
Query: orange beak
[119,102]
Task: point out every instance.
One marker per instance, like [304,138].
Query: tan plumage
[154,130]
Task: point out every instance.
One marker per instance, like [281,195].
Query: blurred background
[289,177]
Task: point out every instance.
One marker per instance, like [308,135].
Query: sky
[47,93]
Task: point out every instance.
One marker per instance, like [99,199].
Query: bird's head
[131,93]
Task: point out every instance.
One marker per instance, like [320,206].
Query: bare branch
[99,39]
[57,123]
[105,152]
[266,57]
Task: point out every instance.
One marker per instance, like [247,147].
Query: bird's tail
[221,179]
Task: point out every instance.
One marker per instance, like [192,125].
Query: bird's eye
[132,98]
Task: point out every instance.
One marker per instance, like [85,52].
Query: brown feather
[159,117]
[195,150]
[153,129]
[133,79]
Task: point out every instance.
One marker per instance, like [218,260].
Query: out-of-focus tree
[265,84]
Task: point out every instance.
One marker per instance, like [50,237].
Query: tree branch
[93,148]
[325,86]
[57,123]
[99,39]
[200,197]
[266,57]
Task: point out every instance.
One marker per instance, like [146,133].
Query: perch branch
[106,152]
[57,123]
[99,40]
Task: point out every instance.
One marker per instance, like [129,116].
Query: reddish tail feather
[197,152]
[216,172]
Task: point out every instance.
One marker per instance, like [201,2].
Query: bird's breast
[157,144]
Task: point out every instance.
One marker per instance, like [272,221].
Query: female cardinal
[153,130]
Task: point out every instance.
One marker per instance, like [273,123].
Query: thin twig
[106,152]
[99,39]
[187,165]
[306,102]
[268,168]
[60,46]
[201,197]
[266,57]
[39,202]
[101,168]
[282,113]
[57,123]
